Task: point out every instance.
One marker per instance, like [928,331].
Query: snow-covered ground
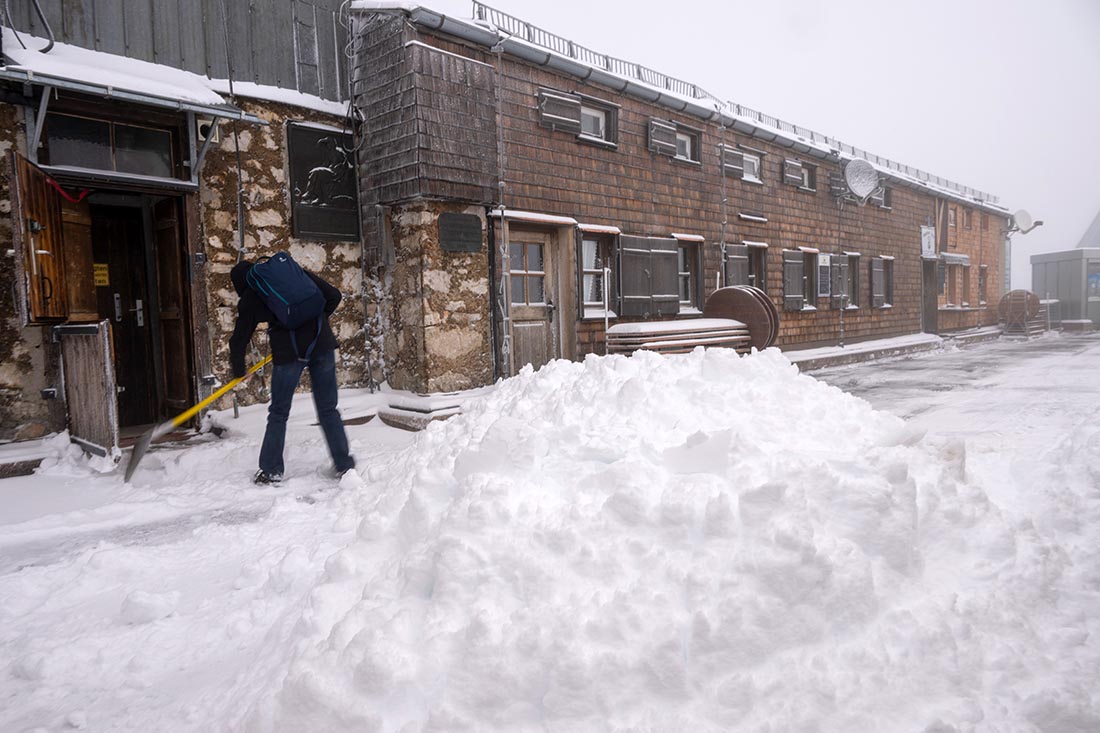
[697,543]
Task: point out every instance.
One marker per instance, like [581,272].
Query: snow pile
[703,542]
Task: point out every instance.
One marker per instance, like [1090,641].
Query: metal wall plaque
[459,232]
[324,202]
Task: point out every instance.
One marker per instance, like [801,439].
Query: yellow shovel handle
[185,416]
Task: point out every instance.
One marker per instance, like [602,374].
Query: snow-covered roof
[111,74]
[634,80]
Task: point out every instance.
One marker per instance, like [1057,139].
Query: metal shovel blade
[140,448]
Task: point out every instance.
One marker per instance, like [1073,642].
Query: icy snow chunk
[140,607]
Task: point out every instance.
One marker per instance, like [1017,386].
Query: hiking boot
[263,477]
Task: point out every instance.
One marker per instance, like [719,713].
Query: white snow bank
[703,542]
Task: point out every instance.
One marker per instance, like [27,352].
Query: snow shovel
[143,443]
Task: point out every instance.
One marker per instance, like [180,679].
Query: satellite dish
[1022,219]
[861,177]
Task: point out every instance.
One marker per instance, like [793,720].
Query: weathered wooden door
[533,298]
[930,307]
[39,261]
[168,254]
[88,366]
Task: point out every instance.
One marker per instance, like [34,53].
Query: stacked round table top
[1018,306]
[749,305]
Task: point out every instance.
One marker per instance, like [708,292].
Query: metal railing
[532,34]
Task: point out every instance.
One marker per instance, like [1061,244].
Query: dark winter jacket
[251,311]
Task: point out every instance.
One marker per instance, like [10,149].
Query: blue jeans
[284,380]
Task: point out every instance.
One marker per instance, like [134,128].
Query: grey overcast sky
[1001,95]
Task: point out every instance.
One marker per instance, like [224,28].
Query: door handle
[118,307]
[140,310]
[550,308]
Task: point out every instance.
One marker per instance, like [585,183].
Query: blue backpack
[289,293]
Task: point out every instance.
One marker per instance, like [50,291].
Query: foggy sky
[1001,95]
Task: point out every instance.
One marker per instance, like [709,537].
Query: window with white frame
[983,283]
[809,177]
[593,122]
[687,273]
[751,171]
[686,145]
[824,277]
[853,281]
[595,257]
[951,216]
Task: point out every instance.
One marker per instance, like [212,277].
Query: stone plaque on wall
[324,203]
[459,232]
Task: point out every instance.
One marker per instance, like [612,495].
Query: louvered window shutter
[737,264]
[662,137]
[792,172]
[878,284]
[840,280]
[634,275]
[560,111]
[793,296]
[733,161]
[665,283]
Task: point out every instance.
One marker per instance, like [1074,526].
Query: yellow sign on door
[102,277]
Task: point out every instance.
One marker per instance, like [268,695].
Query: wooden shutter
[76,227]
[665,281]
[793,297]
[38,240]
[634,275]
[560,111]
[837,185]
[737,264]
[792,172]
[878,283]
[840,280]
[662,137]
[733,161]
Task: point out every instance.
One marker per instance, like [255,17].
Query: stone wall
[267,230]
[438,334]
[28,362]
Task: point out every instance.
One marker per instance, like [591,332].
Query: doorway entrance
[930,304]
[141,288]
[533,285]
[107,271]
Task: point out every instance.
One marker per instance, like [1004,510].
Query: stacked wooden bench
[678,337]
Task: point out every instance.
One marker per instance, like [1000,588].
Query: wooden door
[171,307]
[930,306]
[533,299]
[119,243]
[37,235]
[87,363]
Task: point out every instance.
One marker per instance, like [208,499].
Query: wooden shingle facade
[624,195]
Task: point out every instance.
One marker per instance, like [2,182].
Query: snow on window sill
[597,313]
[752,179]
[809,308]
[689,161]
[807,188]
[598,141]
[885,306]
[851,307]
[690,311]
